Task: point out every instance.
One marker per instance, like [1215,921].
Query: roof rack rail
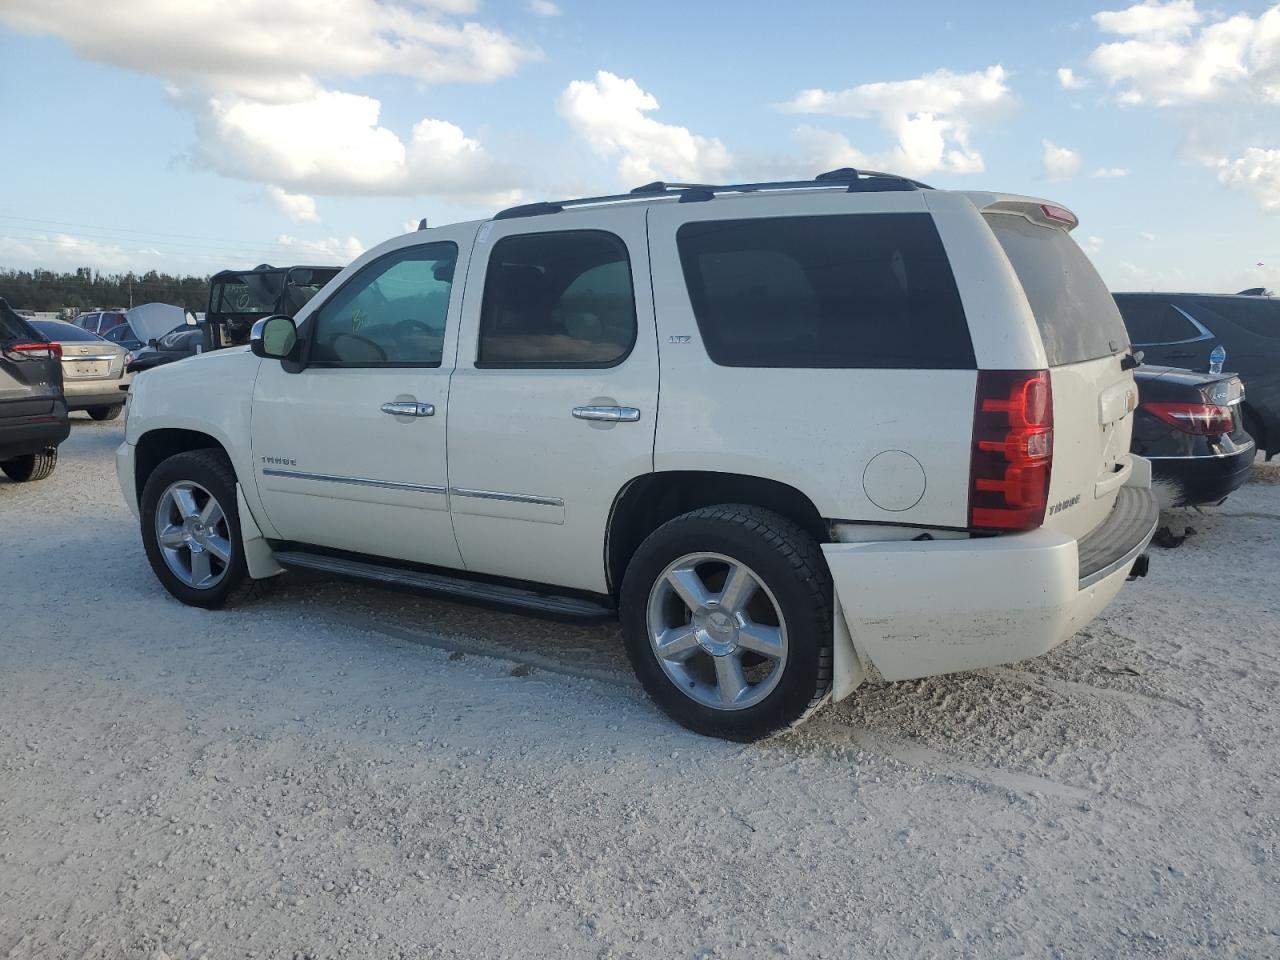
[853,181]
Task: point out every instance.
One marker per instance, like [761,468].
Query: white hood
[151,321]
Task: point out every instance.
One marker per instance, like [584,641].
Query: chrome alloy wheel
[193,534]
[717,631]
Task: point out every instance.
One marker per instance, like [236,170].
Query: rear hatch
[1085,342]
[30,381]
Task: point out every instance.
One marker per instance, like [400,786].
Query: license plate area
[85,369]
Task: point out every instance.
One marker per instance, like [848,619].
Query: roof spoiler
[1037,211]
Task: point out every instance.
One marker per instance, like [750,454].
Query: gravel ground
[341,771]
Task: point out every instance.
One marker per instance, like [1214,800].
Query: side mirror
[274,338]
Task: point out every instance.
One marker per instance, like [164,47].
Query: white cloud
[275,50]
[1145,235]
[930,117]
[1060,162]
[1151,18]
[252,75]
[1171,56]
[1257,172]
[332,250]
[611,114]
[1110,172]
[1068,80]
[543,8]
[1092,245]
[332,143]
[298,207]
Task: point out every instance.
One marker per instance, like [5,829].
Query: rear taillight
[1201,419]
[1012,450]
[34,351]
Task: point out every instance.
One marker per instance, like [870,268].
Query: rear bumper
[1188,481]
[81,395]
[910,609]
[20,436]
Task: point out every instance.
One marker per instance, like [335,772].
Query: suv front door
[557,339]
[350,451]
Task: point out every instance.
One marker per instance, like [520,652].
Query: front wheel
[726,613]
[106,413]
[191,528]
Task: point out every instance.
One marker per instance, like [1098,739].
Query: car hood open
[151,321]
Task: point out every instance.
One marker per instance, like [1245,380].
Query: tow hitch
[1139,568]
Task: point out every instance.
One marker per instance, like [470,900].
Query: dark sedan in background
[33,409]
[1182,330]
[1189,425]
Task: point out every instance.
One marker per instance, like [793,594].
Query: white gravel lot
[341,771]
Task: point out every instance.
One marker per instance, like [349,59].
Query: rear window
[12,326]
[1152,321]
[860,290]
[63,332]
[1077,318]
[1260,315]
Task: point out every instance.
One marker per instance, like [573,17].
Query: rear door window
[1151,321]
[1260,315]
[1077,318]
[560,299]
[860,290]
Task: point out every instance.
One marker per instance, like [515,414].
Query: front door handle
[408,408]
[608,414]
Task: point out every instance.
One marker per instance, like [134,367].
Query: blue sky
[202,135]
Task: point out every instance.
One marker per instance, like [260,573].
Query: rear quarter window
[844,290]
[1077,318]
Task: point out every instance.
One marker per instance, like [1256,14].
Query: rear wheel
[106,413]
[191,528]
[33,466]
[726,612]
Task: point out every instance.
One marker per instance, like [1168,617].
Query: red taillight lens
[1012,450]
[1201,419]
[35,351]
[1058,214]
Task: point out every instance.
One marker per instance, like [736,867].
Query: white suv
[793,434]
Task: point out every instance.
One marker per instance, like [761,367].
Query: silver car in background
[93,374]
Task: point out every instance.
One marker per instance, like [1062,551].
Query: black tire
[212,470]
[790,564]
[106,413]
[32,467]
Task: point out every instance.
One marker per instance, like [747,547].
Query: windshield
[59,332]
[1077,318]
[247,293]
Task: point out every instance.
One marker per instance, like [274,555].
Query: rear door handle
[608,414]
[408,408]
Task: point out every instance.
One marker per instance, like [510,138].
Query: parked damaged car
[240,298]
[1190,426]
[1184,329]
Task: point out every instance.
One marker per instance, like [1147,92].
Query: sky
[207,134]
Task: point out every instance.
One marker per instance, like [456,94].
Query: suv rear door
[1085,341]
[553,403]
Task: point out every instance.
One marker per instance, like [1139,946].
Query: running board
[458,588]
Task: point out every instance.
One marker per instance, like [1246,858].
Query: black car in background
[1182,329]
[1189,426]
[240,298]
[33,410]
[178,344]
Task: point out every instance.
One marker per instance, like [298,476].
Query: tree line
[45,290]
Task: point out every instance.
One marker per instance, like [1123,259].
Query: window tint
[557,300]
[864,290]
[59,332]
[1260,315]
[88,321]
[1155,321]
[121,333]
[12,326]
[181,340]
[392,312]
[248,293]
[1077,318]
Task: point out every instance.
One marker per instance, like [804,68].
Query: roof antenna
[422,224]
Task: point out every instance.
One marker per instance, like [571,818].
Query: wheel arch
[1258,428]
[156,446]
[648,501]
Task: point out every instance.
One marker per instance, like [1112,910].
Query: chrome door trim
[507,497]
[357,481]
[608,414]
